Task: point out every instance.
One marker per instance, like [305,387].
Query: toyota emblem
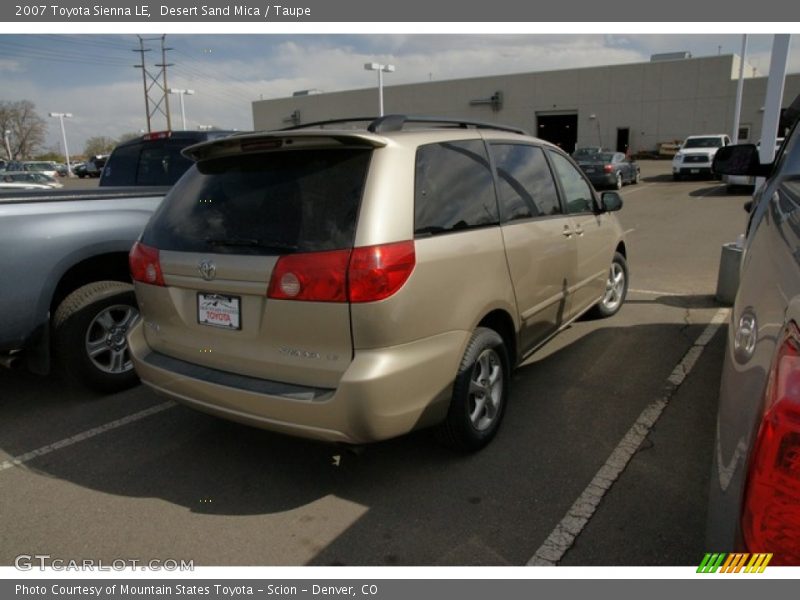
[207,269]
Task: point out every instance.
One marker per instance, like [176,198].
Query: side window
[578,196]
[453,188]
[525,182]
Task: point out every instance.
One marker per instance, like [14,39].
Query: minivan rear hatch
[218,237]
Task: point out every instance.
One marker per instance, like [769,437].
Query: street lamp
[182,93]
[61,117]
[7,133]
[381,69]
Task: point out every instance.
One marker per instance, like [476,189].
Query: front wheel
[616,288]
[480,393]
[89,329]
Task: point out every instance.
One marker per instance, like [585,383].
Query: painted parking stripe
[563,536]
[85,435]
[631,190]
[652,292]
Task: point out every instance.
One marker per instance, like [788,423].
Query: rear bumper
[693,169]
[384,393]
[602,179]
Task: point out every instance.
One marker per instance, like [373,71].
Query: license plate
[588,170]
[694,171]
[218,311]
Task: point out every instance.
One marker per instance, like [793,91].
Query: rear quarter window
[453,188]
[269,203]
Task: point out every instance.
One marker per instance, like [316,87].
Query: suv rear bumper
[384,393]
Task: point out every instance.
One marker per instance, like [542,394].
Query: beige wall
[659,102]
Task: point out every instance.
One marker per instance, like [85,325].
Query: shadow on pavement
[426,504]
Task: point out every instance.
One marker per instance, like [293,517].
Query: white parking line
[85,435]
[563,536]
[628,191]
[653,292]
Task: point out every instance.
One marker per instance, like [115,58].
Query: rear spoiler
[276,140]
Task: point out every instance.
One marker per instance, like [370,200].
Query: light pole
[381,69]
[182,93]
[7,133]
[61,117]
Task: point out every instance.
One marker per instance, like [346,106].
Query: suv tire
[480,393]
[89,329]
[616,288]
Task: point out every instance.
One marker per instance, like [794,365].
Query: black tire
[96,315]
[459,429]
[605,308]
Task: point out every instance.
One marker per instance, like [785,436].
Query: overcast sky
[92,76]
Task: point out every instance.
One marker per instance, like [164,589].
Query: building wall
[658,101]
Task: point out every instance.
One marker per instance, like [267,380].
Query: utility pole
[156,97]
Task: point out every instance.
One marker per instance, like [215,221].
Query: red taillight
[771,513]
[377,272]
[156,135]
[313,276]
[144,264]
[608,168]
[365,274]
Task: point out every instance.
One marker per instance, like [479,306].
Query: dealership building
[636,107]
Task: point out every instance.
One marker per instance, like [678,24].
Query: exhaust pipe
[11,361]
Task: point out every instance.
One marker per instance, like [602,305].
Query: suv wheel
[89,329]
[616,288]
[480,392]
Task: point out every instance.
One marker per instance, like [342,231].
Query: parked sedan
[30,177]
[610,169]
[754,502]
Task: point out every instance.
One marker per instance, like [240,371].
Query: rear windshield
[706,142]
[156,162]
[271,203]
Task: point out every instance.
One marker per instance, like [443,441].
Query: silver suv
[355,284]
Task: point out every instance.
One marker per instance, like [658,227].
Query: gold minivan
[352,285]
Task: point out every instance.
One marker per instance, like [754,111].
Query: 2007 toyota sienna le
[355,284]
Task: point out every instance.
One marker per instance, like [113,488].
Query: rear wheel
[480,393]
[616,288]
[89,329]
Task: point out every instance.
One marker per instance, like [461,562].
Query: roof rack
[389,123]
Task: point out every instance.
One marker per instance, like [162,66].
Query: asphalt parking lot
[131,476]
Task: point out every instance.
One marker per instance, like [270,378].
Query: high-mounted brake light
[365,274]
[771,510]
[156,135]
[145,265]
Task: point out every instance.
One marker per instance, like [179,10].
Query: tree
[131,135]
[99,144]
[26,129]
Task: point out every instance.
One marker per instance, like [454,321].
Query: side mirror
[740,159]
[611,201]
